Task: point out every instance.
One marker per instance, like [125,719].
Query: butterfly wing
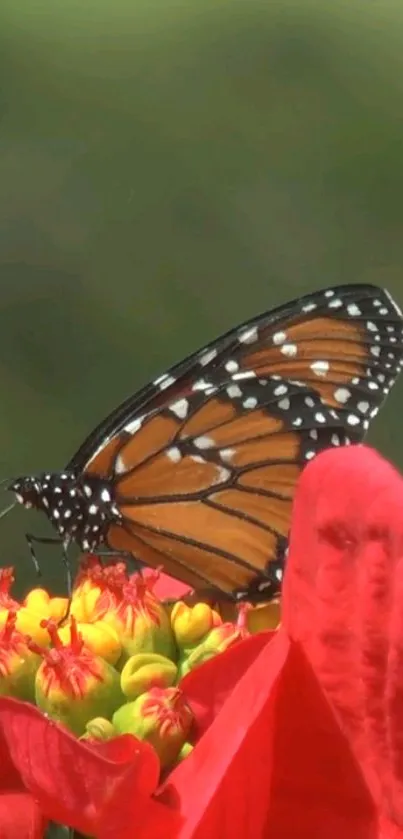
[205,459]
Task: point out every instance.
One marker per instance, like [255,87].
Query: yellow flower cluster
[111,660]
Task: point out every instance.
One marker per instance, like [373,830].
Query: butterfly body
[80,508]
[197,471]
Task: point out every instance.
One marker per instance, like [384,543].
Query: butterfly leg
[48,540]
[41,540]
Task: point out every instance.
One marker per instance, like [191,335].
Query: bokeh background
[166,170]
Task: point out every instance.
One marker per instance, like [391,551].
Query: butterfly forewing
[204,460]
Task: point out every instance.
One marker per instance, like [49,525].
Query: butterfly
[197,471]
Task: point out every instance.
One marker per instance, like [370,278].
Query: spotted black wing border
[165,388]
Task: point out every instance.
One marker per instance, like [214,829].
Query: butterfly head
[29,490]
[80,508]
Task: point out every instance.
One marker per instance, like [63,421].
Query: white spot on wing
[232,366]
[280,390]
[134,425]
[320,368]
[201,384]
[342,395]
[250,402]
[234,391]
[197,458]
[164,381]
[289,349]
[223,475]
[353,309]
[207,356]
[174,454]
[180,408]
[204,442]
[227,454]
[245,374]
[120,465]
[249,336]
[279,338]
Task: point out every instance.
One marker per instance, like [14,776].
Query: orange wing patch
[138,544]
[213,413]
[278,479]
[196,522]
[255,424]
[170,474]
[271,513]
[277,447]
[157,433]
[102,462]
[216,563]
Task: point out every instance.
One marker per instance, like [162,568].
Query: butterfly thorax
[81,508]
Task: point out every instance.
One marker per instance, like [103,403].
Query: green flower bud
[185,751]
[195,659]
[159,716]
[140,620]
[191,624]
[73,685]
[99,729]
[145,671]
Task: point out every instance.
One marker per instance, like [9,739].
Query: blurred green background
[166,170]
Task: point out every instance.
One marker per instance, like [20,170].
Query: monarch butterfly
[197,471]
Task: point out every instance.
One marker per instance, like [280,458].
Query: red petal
[317,788]
[75,783]
[167,588]
[10,778]
[223,787]
[345,573]
[207,687]
[20,814]
[20,817]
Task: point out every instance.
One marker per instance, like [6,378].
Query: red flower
[165,587]
[78,783]
[21,816]
[298,732]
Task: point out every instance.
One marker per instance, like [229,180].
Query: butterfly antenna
[7,509]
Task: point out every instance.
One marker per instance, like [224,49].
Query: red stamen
[67,665]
